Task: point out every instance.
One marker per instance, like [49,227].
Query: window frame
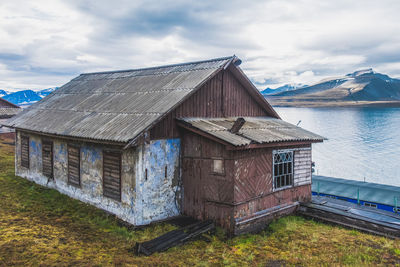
[274,152]
[28,148]
[222,173]
[79,165]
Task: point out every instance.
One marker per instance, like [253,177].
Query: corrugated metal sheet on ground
[115,106]
[370,192]
[255,130]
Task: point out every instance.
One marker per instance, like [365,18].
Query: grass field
[40,226]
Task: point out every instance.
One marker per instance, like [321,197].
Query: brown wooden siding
[203,189]
[74,159]
[286,196]
[252,174]
[245,189]
[47,158]
[25,151]
[222,96]
[112,175]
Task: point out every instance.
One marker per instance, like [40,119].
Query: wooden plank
[112,175]
[25,151]
[47,158]
[74,156]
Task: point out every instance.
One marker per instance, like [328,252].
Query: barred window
[283,169]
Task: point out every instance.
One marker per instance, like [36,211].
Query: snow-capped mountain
[22,97]
[46,92]
[362,87]
[284,88]
[3,93]
[26,97]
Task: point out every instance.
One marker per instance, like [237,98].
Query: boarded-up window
[218,166]
[74,173]
[112,174]
[25,151]
[47,158]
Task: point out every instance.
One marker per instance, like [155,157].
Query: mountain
[284,88]
[360,88]
[2,93]
[46,92]
[24,97]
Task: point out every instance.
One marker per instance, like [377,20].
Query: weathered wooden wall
[206,193]
[222,96]
[245,189]
[302,167]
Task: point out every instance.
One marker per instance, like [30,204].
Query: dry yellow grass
[39,226]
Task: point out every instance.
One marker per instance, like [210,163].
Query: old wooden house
[149,144]
[8,109]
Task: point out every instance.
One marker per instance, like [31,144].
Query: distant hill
[363,87]
[284,88]
[26,97]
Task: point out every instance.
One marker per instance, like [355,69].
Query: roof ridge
[160,66]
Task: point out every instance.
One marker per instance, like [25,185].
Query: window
[218,167]
[74,168]
[366,204]
[283,169]
[47,158]
[112,175]
[25,151]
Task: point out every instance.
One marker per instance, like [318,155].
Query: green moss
[40,226]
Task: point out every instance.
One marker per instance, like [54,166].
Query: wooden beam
[78,139]
[271,145]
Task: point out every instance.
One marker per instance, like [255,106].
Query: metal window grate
[283,169]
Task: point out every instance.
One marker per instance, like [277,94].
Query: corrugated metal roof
[9,112]
[118,105]
[370,192]
[256,130]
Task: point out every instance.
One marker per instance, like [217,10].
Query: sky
[46,43]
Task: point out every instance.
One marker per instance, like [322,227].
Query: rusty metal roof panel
[256,130]
[115,106]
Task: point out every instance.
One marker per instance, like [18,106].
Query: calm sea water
[364,143]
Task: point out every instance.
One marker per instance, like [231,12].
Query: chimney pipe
[237,125]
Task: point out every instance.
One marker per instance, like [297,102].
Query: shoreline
[319,104]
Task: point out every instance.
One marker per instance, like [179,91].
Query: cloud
[45,43]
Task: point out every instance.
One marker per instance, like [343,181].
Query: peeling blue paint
[91,154]
[60,153]
[35,148]
[160,192]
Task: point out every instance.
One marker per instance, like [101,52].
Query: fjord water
[364,143]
